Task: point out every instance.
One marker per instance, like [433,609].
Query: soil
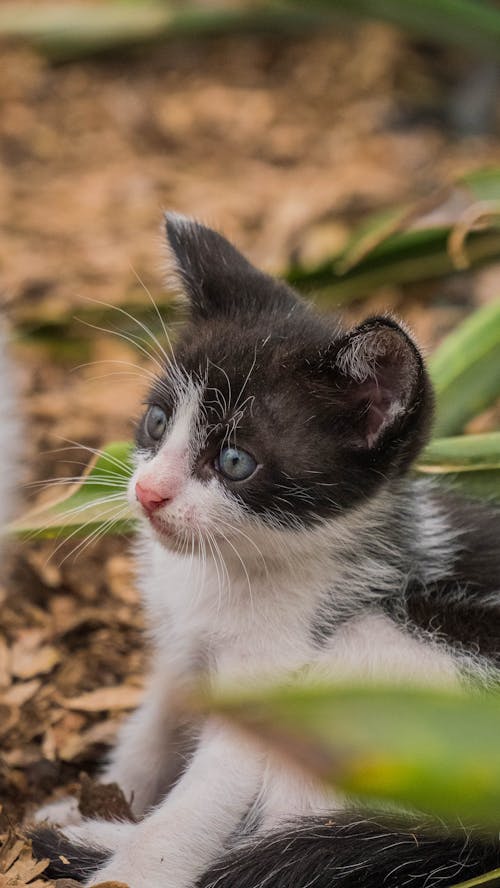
[284,145]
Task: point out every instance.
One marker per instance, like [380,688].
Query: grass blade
[466,370]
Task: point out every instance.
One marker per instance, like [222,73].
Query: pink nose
[149,499]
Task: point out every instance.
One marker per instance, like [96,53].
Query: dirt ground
[284,145]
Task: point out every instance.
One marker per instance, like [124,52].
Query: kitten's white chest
[249,625]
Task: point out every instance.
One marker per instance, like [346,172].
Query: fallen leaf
[115,698]
[111,885]
[77,744]
[20,693]
[18,867]
[5,672]
[30,655]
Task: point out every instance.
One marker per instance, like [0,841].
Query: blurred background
[287,126]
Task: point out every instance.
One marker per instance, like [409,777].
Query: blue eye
[236,465]
[156,422]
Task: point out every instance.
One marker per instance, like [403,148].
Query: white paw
[117,872]
[61,813]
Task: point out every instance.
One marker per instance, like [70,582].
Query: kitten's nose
[150,499]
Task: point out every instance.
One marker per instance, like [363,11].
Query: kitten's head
[269,418]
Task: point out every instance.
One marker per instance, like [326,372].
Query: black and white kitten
[282,536]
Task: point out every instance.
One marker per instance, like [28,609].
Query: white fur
[233,600]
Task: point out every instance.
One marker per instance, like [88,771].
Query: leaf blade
[434,750]
[465,370]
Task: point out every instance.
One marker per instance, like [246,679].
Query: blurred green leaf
[469,463]
[441,237]
[402,258]
[465,370]
[435,750]
[95,503]
[483,184]
[471,24]
[464,453]
[67,32]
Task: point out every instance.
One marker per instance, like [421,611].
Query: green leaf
[468,463]
[67,32]
[85,508]
[492,879]
[403,258]
[435,750]
[465,453]
[471,24]
[380,252]
[484,185]
[466,370]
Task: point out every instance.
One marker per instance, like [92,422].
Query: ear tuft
[181,238]
[384,379]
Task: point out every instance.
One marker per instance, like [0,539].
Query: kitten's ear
[383,385]
[212,275]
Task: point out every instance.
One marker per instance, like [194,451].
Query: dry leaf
[111,885]
[20,693]
[121,579]
[116,698]
[30,656]
[5,672]
[18,868]
[76,745]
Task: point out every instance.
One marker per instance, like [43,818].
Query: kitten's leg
[174,845]
[152,749]
[149,755]
[288,794]
[63,812]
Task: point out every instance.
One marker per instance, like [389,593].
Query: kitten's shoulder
[460,607]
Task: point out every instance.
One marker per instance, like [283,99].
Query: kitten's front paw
[78,852]
[64,812]
[121,869]
[67,858]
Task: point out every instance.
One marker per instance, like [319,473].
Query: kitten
[281,533]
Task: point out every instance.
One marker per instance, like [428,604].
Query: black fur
[463,607]
[217,280]
[352,851]
[67,859]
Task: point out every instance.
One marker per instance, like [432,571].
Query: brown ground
[282,144]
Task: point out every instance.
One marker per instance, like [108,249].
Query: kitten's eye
[156,423]
[236,465]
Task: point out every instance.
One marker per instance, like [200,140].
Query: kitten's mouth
[162,526]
